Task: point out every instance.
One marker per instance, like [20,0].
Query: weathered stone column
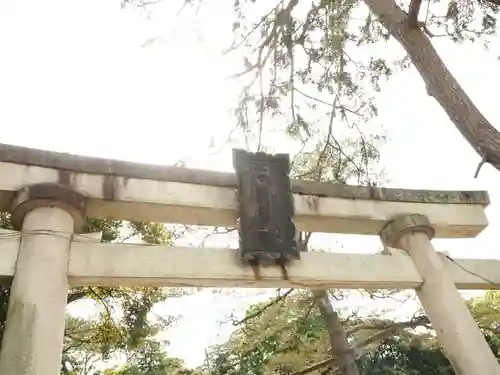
[459,336]
[33,339]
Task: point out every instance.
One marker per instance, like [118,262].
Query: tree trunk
[340,349]
[441,84]
[338,338]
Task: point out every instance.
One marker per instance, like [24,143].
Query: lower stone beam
[145,265]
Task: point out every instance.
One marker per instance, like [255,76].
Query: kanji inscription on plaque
[267,232]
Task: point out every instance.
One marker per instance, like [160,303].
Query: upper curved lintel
[92,165]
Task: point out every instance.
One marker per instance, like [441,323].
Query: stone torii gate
[50,195]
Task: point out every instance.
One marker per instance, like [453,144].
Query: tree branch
[480,165]
[340,347]
[378,337]
[316,366]
[440,83]
[214,232]
[264,308]
[72,297]
[338,339]
[413,12]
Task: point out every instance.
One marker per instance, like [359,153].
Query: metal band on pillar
[397,228]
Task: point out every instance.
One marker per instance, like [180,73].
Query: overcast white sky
[75,76]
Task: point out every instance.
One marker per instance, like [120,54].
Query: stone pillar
[48,215]
[460,338]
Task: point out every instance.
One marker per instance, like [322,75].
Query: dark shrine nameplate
[267,232]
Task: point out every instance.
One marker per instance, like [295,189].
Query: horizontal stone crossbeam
[132,191]
[92,263]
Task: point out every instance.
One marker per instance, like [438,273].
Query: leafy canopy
[286,335]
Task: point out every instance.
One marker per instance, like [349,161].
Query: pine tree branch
[440,82]
[265,307]
[340,348]
[72,297]
[345,354]
[316,366]
[413,12]
[378,337]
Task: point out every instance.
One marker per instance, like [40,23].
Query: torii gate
[51,194]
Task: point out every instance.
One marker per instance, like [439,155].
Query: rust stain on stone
[109,187]
[255,268]
[284,271]
[57,192]
[312,202]
[64,177]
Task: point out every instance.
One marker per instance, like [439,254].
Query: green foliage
[418,356]
[396,356]
[300,49]
[286,335]
[124,323]
[151,359]
[325,46]
[310,70]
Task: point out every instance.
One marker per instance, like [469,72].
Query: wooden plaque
[267,232]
